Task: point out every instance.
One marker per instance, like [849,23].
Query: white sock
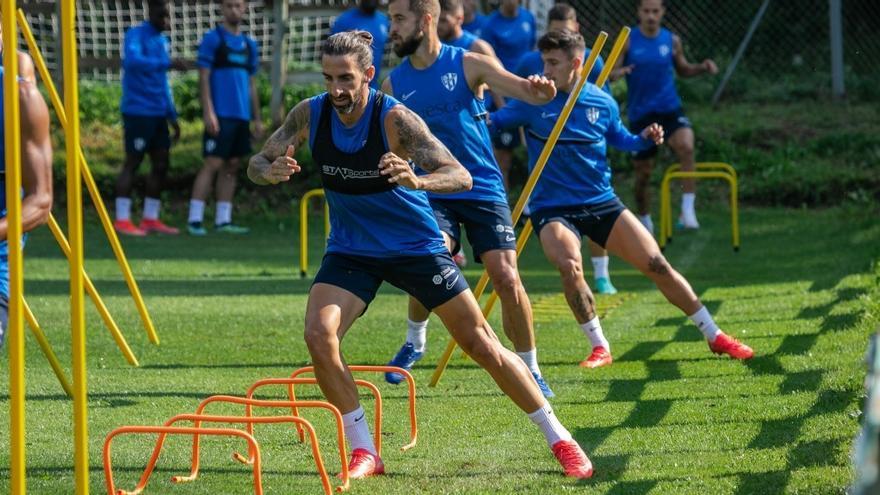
[646,221]
[593,330]
[687,206]
[151,208]
[531,360]
[123,208]
[417,334]
[357,431]
[196,211]
[704,322]
[224,213]
[549,424]
[600,267]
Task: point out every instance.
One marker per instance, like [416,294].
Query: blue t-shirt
[376,24]
[476,26]
[577,172]
[146,59]
[398,222]
[440,95]
[466,40]
[650,87]
[531,63]
[511,37]
[231,78]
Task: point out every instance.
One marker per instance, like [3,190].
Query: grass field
[667,417]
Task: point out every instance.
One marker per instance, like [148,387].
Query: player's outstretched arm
[686,69]
[36,151]
[481,69]
[275,162]
[411,141]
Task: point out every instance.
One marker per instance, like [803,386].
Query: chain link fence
[791,41]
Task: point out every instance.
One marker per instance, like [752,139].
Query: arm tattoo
[423,148]
[290,132]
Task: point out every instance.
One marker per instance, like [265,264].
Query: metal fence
[792,38]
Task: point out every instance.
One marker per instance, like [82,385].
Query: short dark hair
[562,12]
[422,7]
[451,5]
[357,43]
[571,43]
[662,3]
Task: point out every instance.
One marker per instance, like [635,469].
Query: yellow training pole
[47,349]
[12,157]
[533,179]
[90,182]
[74,225]
[96,298]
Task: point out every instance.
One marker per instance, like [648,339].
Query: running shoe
[574,461]
[599,357]
[603,286]
[364,464]
[196,229]
[545,389]
[128,228]
[725,344]
[405,358]
[158,227]
[231,228]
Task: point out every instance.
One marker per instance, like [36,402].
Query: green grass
[667,417]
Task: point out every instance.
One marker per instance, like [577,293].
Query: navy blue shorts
[593,221]
[432,279]
[233,140]
[4,317]
[506,140]
[671,122]
[143,134]
[487,224]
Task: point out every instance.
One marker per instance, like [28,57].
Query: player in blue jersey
[147,110]
[383,229]
[36,170]
[511,31]
[473,20]
[652,57]
[444,85]
[574,198]
[563,16]
[228,61]
[451,33]
[367,17]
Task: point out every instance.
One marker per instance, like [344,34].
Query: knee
[571,269]
[320,340]
[685,148]
[231,167]
[506,281]
[483,349]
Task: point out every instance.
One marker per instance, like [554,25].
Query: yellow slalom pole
[90,182]
[12,157]
[75,227]
[96,298]
[533,179]
[47,349]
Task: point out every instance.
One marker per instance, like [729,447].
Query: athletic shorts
[143,134]
[671,122]
[233,140]
[593,221]
[4,317]
[432,279]
[506,140]
[488,224]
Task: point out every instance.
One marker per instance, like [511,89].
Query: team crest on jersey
[449,80]
[664,50]
[593,115]
[526,27]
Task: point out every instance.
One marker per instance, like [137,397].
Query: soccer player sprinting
[444,86]
[652,57]
[563,16]
[383,229]
[36,169]
[574,198]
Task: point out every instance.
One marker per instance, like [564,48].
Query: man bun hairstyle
[358,43]
[571,43]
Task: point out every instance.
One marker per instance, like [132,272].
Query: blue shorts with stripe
[432,279]
[487,223]
[594,221]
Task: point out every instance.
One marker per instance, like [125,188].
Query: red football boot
[128,228]
[600,357]
[364,464]
[574,461]
[725,344]
[158,227]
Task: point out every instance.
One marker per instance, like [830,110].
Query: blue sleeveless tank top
[651,84]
